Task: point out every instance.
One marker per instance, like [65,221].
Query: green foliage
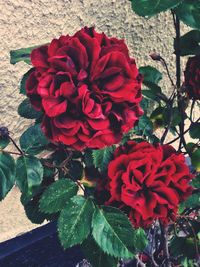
[189,43]
[7,174]
[27,111]
[96,256]
[33,140]
[29,174]
[195,130]
[57,195]
[22,54]
[4,141]
[148,8]
[189,12]
[183,246]
[195,158]
[150,75]
[140,239]
[144,127]
[75,169]
[102,157]
[192,201]
[151,79]
[113,232]
[22,87]
[74,223]
[196,181]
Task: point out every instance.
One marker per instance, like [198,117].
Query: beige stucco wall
[25,23]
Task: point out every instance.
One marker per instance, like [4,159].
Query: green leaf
[196,181]
[140,239]
[192,201]
[34,214]
[4,141]
[144,127]
[22,54]
[189,43]
[75,169]
[22,87]
[189,12]
[33,140]
[102,157]
[195,130]
[148,8]
[57,195]
[88,158]
[29,174]
[150,74]
[96,256]
[27,111]
[195,158]
[113,232]
[74,223]
[7,174]
[182,246]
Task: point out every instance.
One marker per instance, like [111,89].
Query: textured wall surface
[25,23]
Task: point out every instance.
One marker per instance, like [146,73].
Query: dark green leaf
[57,195]
[33,140]
[7,174]
[88,158]
[148,8]
[4,141]
[27,111]
[75,169]
[189,13]
[22,54]
[196,181]
[140,239]
[96,256]
[22,87]
[29,173]
[182,246]
[195,158]
[144,127]
[33,213]
[113,232]
[195,130]
[150,75]
[74,223]
[189,43]
[102,157]
[192,201]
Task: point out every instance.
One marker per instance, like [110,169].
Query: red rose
[88,88]
[192,77]
[148,182]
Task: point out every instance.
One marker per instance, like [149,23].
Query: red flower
[148,182]
[192,77]
[88,88]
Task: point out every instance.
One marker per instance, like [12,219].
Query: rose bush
[192,77]
[138,196]
[147,182]
[88,88]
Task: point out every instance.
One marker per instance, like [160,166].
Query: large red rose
[192,77]
[148,182]
[88,88]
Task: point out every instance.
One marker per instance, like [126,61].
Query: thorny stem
[167,69]
[166,262]
[10,152]
[178,79]
[174,140]
[17,147]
